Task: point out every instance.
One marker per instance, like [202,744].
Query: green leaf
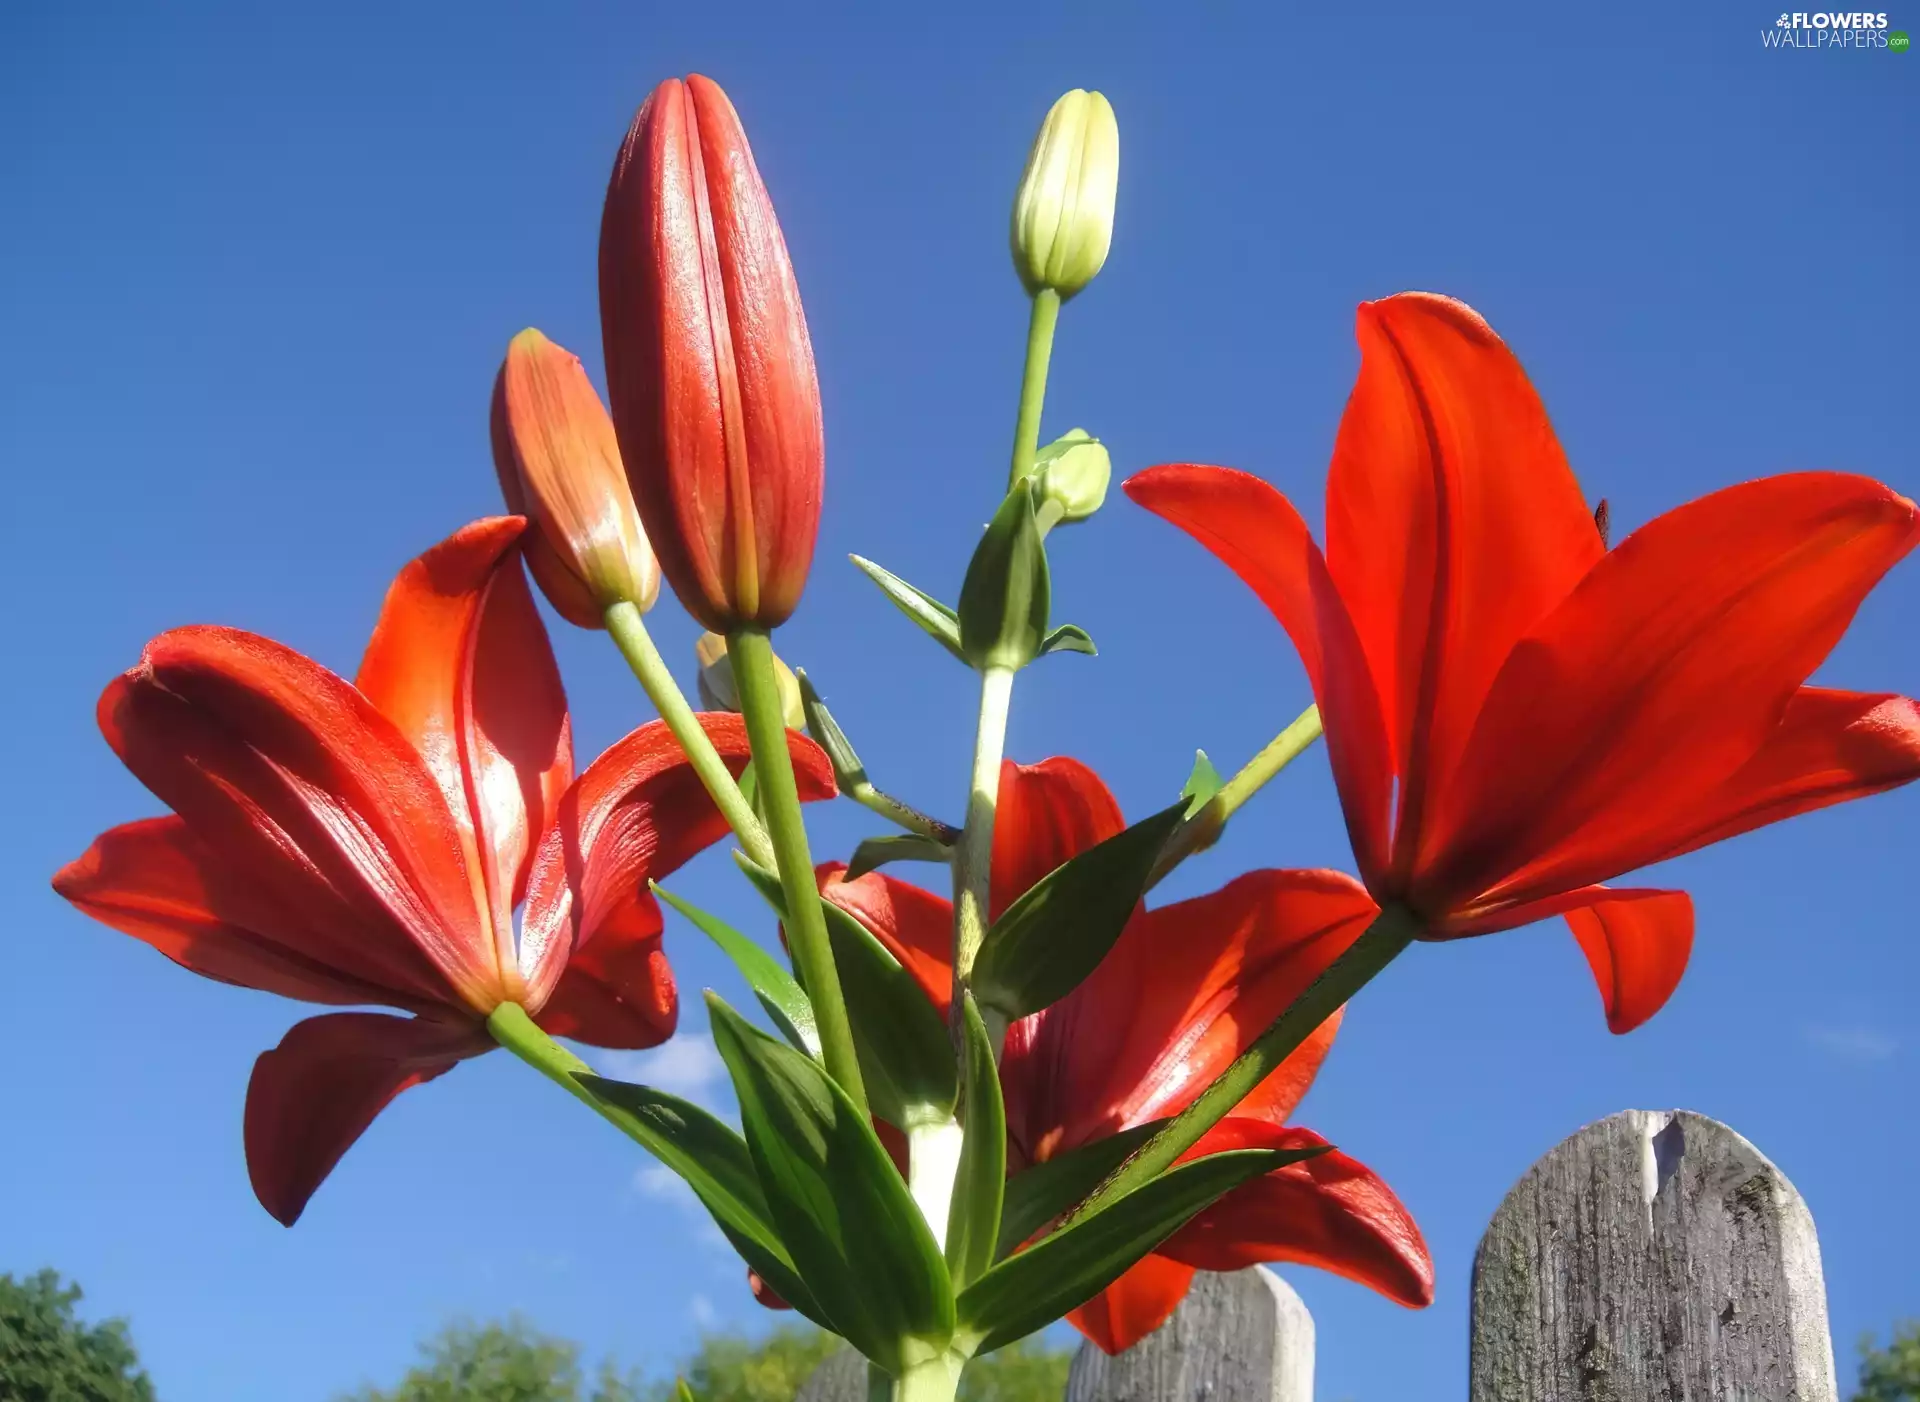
[1046,942]
[785,1001]
[848,771]
[749,784]
[905,1056]
[1032,1289]
[1006,596]
[875,852]
[942,623]
[1202,784]
[973,1216]
[852,1229]
[1068,637]
[716,1164]
[1037,1195]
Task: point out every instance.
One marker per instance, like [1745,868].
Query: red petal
[1184,991]
[635,815]
[288,774]
[618,989]
[764,1293]
[1453,527]
[313,1095]
[1255,532]
[915,925]
[459,661]
[1615,724]
[1329,1211]
[1134,1305]
[1637,946]
[155,881]
[1048,813]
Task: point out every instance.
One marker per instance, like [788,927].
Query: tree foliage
[507,1361]
[1891,1374]
[47,1354]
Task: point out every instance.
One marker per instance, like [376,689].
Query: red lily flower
[367,843]
[1549,713]
[1182,993]
[709,367]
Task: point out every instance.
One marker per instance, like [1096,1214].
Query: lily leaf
[1030,1290]
[1048,941]
[875,852]
[1068,637]
[973,1216]
[1202,784]
[785,1001]
[848,1222]
[905,1055]
[1037,1195]
[941,623]
[848,771]
[1007,594]
[716,1164]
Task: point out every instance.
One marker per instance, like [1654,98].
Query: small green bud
[1063,214]
[1073,472]
[720,692]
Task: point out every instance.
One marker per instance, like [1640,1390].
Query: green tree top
[48,1355]
[1891,1374]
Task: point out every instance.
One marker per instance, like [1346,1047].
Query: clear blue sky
[258,264]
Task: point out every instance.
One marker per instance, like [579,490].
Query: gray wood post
[1652,1257]
[1243,1337]
[842,1378]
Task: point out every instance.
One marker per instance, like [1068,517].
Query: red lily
[1548,713]
[1182,993]
[709,367]
[367,843]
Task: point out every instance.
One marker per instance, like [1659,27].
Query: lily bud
[1073,472]
[1063,214]
[709,368]
[719,691]
[559,466]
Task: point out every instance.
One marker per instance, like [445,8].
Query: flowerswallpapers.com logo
[1822,29]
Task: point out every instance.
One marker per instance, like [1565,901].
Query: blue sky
[258,266]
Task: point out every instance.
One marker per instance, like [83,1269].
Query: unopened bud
[1063,214]
[720,692]
[1073,472]
[559,466]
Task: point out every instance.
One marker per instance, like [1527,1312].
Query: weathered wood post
[1652,1257]
[1242,1337]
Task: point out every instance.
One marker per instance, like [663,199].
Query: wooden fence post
[1242,1337]
[1652,1257]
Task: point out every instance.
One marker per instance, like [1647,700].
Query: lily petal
[1254,531]
[635,815]
[313,1095]
[1048,813]
[915,925]
[289,774]
[1637,945]
[618,989]
[460,662]
[156,881]
[1134,1305]
[1614,724]
[1329,1211]
[1453,527]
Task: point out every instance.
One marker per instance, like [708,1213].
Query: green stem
[1203,828]
[1033,382]
[752,654]
[629,633]
[513,1029]
[935,1380]
[973,871]
[903,815]
[1391,932]
[933,1161]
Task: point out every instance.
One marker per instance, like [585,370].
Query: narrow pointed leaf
[1069,637]
[785,1001]
[942,623]
[1037,1195]
[1202,784]
[1006,596]
[1046,942]
[848,1222]
[875,852]
[848,772]
[716,1163]
[1030,1290]
[973,1216]
[906,1057]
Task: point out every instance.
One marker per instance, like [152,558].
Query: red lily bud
[559,465]
[709,369]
